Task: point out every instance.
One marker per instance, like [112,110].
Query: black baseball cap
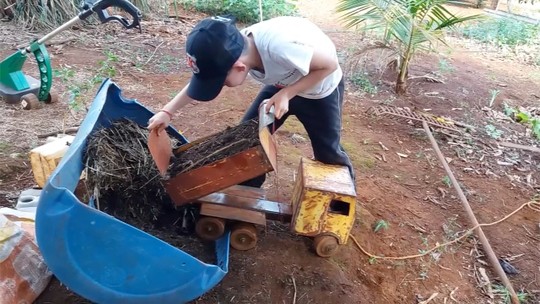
[212,47]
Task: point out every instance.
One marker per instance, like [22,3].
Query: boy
[295,60]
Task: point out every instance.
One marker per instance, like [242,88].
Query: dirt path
[322,13]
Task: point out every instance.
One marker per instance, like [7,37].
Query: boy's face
[237,74]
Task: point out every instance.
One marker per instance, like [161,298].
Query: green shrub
[362,81]
[245,11]
[503,31]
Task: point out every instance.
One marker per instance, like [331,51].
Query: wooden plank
[273,210]
[269,145]
[518,146]
[189,186]
[245,191]
[45,158]
[233,213]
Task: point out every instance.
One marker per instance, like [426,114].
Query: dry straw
[122,174]
[49,14]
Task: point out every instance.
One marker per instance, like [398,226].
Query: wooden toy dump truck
[323,201]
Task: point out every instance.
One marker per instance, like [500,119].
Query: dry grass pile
[40,14]
[219,146]
[49,14]
[122,174]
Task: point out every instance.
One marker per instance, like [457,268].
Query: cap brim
[205,89]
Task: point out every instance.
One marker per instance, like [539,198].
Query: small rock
[507,267]
[15,155]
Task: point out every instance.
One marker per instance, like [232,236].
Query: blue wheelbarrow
[101,258]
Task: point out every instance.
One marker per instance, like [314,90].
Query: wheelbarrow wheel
[30,101]
[210,228]
[52,97]
[244,236]
[325,245]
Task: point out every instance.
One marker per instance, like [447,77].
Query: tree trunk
[401,82]
[401,87]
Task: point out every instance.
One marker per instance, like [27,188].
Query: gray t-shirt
[286,46]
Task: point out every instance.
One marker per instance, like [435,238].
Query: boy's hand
[160,120]
[280,103]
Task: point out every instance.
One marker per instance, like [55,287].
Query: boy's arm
[322,65]
[162,118]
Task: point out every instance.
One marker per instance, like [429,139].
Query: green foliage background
[245,11]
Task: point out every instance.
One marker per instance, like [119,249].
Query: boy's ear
[240,66]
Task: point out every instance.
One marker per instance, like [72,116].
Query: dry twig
[294,285]
[151,56]
[433,296]
[70,130]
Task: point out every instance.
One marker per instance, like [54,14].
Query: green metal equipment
[17,87]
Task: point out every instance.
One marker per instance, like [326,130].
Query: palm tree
[412,24]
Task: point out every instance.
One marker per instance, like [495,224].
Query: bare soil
[411,193]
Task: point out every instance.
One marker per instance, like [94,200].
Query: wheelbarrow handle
[100,7]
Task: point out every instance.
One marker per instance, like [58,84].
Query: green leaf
[381,224]
[492,131]
[508,111]
[522,117]
[535,123]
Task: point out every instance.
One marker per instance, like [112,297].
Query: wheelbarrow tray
[104,259]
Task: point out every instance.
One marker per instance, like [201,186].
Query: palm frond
[413,24]
[447,19]
[358,11]
[400,28]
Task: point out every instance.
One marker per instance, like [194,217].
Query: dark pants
[321,119]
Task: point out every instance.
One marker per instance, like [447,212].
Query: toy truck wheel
[244,236]
[52,97]
[210,228]
[30,101]
[325,245]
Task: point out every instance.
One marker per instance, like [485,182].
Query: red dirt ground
[409,193]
